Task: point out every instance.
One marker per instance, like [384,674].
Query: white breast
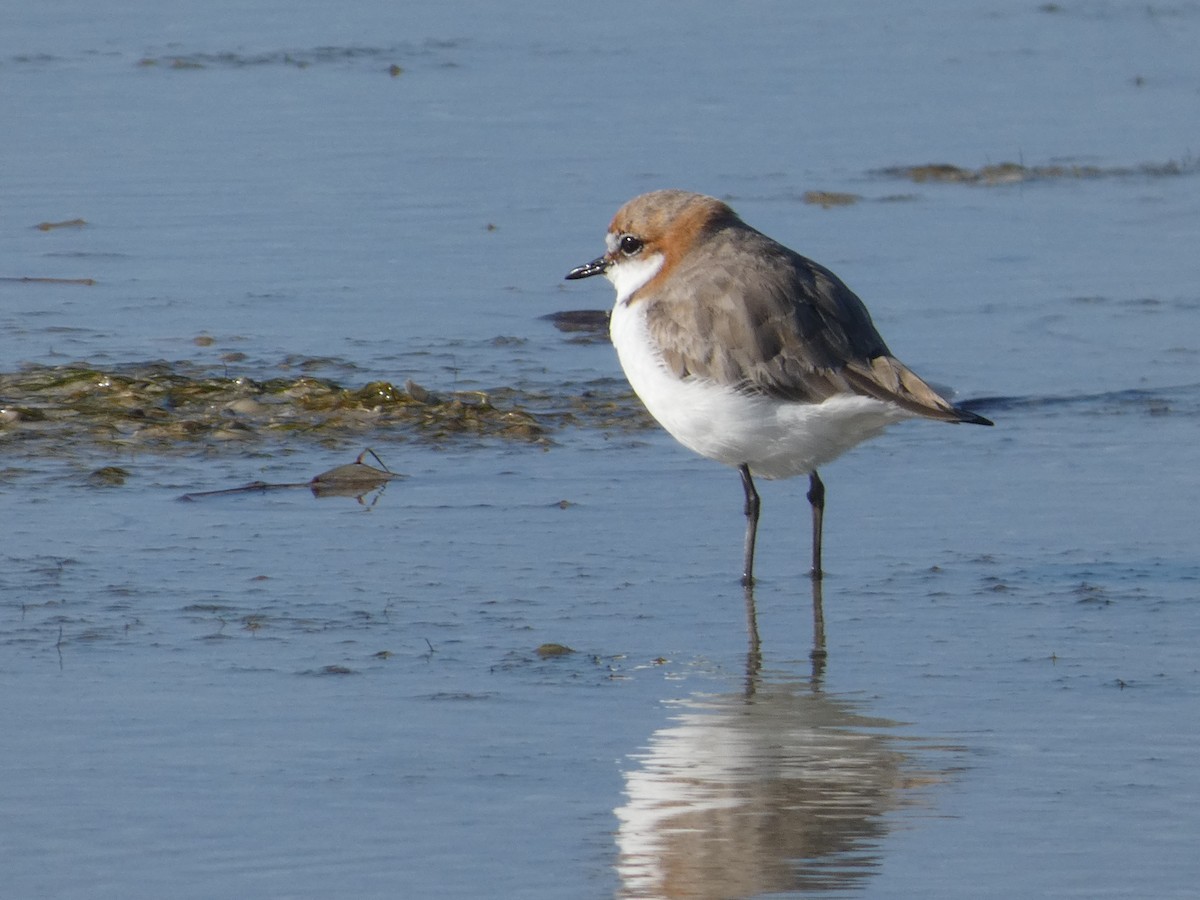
[776,438]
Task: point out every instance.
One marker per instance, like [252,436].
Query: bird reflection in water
[779,788]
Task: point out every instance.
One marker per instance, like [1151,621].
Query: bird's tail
[886,378]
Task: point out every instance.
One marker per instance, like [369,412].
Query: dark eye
[630,245]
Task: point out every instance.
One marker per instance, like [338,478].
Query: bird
[748,353]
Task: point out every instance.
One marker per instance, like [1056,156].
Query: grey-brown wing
[761,318]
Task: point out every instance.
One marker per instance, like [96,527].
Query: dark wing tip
[970,418]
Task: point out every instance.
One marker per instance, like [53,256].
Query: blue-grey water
[273,695]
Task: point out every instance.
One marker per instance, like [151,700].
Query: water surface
[274,694]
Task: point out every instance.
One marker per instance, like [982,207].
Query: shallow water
[275,694]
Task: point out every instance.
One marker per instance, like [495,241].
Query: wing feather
[749,313]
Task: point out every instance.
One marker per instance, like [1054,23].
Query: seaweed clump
[1014,173]
[160,406]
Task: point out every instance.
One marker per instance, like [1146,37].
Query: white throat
[630,275]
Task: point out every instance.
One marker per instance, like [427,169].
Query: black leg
[752,506]
[816,496]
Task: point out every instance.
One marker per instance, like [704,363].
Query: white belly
[776,438]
